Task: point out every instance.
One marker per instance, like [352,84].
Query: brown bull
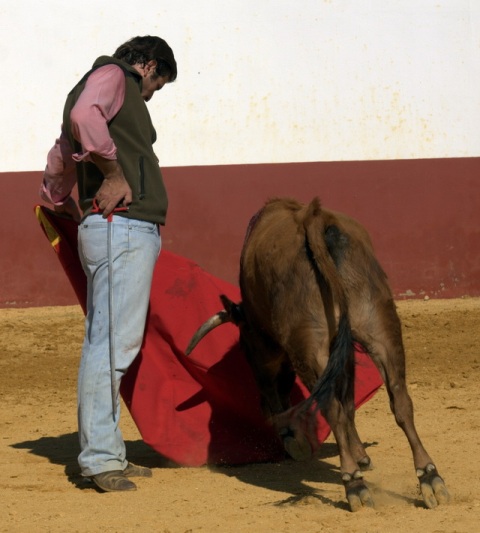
[311,286]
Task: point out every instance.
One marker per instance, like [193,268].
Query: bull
[311,287]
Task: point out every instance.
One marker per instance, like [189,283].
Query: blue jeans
[135,246]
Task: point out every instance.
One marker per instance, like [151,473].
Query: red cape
[205,408]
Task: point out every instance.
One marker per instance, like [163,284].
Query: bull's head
[232,312]
[296,430]
[264,356]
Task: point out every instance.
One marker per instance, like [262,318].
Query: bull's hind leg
[356,446]
[340,419]
[357,492]
[309,359]
[388,354]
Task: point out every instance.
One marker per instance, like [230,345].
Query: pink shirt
[98,103]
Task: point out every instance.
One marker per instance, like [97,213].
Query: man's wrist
[109,167]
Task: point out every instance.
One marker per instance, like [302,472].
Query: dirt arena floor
[40,489]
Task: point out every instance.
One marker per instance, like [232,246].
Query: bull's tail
[338,377]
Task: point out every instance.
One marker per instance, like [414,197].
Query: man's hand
[69,208]
[114,190]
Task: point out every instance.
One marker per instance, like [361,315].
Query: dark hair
[141,50]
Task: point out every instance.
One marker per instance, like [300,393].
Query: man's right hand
[114,190]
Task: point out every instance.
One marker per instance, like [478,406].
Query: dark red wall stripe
[423,216]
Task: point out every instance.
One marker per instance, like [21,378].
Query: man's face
[151,81]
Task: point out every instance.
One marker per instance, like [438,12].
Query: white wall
[259,80]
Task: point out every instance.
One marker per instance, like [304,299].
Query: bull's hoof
[358,495]
[298,448]
[432,487]
[365,463]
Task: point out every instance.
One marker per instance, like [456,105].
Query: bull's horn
[216,320]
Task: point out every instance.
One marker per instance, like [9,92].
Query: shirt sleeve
[100,100]
[59,176]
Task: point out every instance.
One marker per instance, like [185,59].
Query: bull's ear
[234,310]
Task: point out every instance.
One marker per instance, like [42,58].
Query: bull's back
[275,257]
[273,241]
[275,272]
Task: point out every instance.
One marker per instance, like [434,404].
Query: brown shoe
[112,481]
[137,471]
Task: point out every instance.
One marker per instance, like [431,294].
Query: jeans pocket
[92,243]
[144,227]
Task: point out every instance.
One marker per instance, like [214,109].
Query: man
[106,148]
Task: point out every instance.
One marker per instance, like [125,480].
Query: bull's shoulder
[279,204]
[347,225]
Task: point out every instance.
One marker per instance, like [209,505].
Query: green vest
[133,133]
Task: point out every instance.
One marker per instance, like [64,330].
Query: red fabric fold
[205,408]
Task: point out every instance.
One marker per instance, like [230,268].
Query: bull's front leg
[295,428]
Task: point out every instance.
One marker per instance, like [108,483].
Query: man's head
[153,59]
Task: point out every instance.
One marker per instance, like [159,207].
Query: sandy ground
[40,489]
